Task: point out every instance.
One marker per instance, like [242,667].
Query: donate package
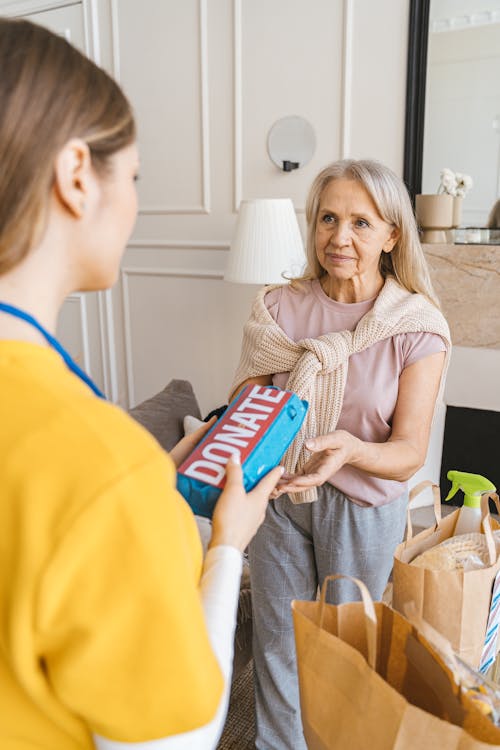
[258,426]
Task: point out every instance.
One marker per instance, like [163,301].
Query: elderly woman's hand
[330,453]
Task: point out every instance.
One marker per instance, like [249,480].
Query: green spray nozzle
[472,485]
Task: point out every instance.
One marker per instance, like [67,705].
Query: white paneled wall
[297,50]
[207,79]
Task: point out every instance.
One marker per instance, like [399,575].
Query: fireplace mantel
[467,281]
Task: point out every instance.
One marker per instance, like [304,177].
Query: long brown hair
[49,93]
[406,262]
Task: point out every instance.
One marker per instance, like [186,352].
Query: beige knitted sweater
[318,367]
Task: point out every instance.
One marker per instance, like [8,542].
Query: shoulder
[409,311]
[272,301]
[415,346]
[112,475]
[289,294]
[83,447]
[110,434]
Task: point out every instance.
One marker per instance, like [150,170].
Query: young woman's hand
[188,443]
[330,453]
[238,514]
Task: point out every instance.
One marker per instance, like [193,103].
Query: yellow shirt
[101,623]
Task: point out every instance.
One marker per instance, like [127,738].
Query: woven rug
[239,730]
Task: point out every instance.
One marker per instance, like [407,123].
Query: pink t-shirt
[371,389]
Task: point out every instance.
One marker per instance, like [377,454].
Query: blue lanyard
[54,343]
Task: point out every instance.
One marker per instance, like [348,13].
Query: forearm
[220,584]
[396,459]
[259,380]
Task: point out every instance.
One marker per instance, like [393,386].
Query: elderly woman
[361,337]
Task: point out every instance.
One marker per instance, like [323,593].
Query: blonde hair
[406,262]
[49,93]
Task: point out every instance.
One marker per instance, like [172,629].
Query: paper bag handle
[370,616]
[486,524]
[493,496]
[437,504]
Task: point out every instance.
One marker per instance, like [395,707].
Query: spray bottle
[473,486]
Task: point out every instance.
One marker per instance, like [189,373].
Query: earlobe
[391,241]
[73,176]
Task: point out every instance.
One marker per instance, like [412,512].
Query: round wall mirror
[291,142]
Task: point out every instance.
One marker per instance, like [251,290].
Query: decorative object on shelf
[291,143]
[454,183]
[457,185]
[434,215]
[266,243]
[442,211]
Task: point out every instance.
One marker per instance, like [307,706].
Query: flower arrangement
[454,183]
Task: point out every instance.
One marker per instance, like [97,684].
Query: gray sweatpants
[293,551]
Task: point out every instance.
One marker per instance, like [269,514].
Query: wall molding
[91,30]
[115,40]
[108,344]
[180,244]
[27,7]
[128,271]
[205,207]
[81,300]
[238,105]
[347,54]
[206,273]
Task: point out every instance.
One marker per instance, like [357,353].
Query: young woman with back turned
[113,631]
[361,337]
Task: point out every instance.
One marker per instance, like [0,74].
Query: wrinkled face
[112,219]
[350,233]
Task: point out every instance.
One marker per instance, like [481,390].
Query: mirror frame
[416,76]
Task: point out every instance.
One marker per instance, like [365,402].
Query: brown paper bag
[455,603]
[369,681]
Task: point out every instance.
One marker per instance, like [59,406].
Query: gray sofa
[162,415]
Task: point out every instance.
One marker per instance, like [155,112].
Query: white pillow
[204,530]
[191,424]
[204,524]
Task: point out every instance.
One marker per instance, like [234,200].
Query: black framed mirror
[416,76]
[452,123]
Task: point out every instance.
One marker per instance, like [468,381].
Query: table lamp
[266,244]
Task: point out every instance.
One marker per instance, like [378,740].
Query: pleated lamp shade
[266,243]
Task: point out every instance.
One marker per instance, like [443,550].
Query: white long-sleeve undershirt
[219,587]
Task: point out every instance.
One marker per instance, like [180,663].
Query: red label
[238,431]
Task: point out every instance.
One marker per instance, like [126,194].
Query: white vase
[434,215]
